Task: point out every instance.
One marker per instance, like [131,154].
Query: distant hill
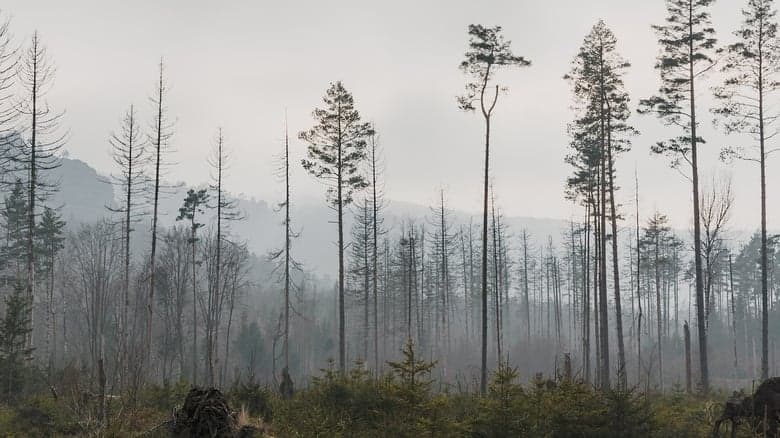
[84,195]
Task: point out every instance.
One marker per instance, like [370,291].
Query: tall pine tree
[337,147]
[686,39]
[487,52]
[751,65]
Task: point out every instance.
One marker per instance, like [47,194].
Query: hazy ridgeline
[166,283]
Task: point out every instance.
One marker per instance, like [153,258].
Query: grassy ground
[397,405]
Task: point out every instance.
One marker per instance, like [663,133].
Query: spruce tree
[15,353]
[14,215]
[50,242]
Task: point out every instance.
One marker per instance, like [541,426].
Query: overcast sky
[239,64]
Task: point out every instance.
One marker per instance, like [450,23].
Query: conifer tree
[686,39]
[15,328]
[751,65]
[337,147]
[487,52]
[600,133]
[50,242]
[194,205]
[14,216]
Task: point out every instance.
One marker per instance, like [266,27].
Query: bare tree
[42,140]
[285,261]
[128,153]
[716,202]
[95,270]
[159,139]
[9,137]
[225,209]
[376,170]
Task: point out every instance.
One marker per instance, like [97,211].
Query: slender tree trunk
[622,380]
[603,304]
[374,248]
[526,303]
[700,321]
[658,312]
[483,375]
[764,261]
[586,299]
[340,208]
[216,304]
[688,379]
[194,305]
[366,281]
[152,256]
[733,315]
[33,183]
[638,286]
[496,287]
[286,342]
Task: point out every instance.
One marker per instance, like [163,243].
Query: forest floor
[360,405]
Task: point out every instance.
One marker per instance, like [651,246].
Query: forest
[152,320]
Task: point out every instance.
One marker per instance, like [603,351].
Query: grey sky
[238,64]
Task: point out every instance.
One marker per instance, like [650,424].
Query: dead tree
[40,145]
[128,153]
[159,140]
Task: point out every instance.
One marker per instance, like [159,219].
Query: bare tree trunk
[603,305]
[526,303]
[33,183]
[374,248]
[483,373]
[340,209]
[286,342]
[638,286]
[658,313]
[700,321]
[218,263]
[496,287]
[688,379]
[152,257]
[622,380]
[733,315]
[764,262]
[586,298]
